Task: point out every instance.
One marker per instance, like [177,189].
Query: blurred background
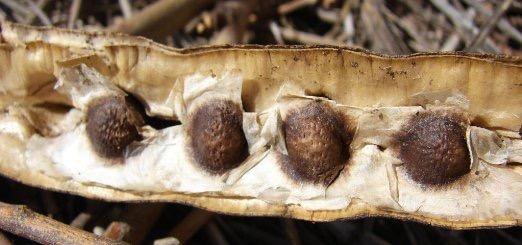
[389,27]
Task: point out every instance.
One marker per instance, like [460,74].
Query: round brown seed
[433,149]
[112,124]
[316,142]
[216,135]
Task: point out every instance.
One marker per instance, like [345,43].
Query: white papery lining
[160,163]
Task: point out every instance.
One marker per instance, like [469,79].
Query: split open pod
[315,133]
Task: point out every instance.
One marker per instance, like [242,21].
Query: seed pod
[316,142]
[379,94]
[433,148]
[217,137]
[112,124]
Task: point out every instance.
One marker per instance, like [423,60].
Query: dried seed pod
[433,148]
[112,124]
[378,89]
[216,135]
[316,142]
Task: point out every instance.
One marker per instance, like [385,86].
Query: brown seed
[433,148]
[112,124]
[316,141]
[216,136]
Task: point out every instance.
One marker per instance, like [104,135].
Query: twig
[32,16]
[235,31]
[502,24]
[417,10]
[305,37]
[335,17]
[37,11]
[408,28]
[3,15]
[117,231]
[463,24]
[484,32]
[456,17]
[517,4]
[167,241]
[18,17]
[451,43]
[4,240]
[294,5]
[328,16]
[186,228]
[16,6]
[349,27]
[23,222]
[126,8]
[192,24]
[420,12]
[383,39]
[141,217]
[343,23]
[276,31]
[161,17]
[80,220]
[73,13]
[98,230]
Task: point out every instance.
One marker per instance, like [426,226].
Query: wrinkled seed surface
[216,136]
[433,149]
[316,143]
[112,124]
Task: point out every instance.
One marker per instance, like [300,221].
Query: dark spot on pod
[112,124]
[316,141]
[216,136]
[433,148]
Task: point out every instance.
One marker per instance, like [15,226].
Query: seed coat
[216,136]
[316,141]
[112,124]
[433,148]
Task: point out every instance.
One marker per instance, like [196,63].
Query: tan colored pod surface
[377,94]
